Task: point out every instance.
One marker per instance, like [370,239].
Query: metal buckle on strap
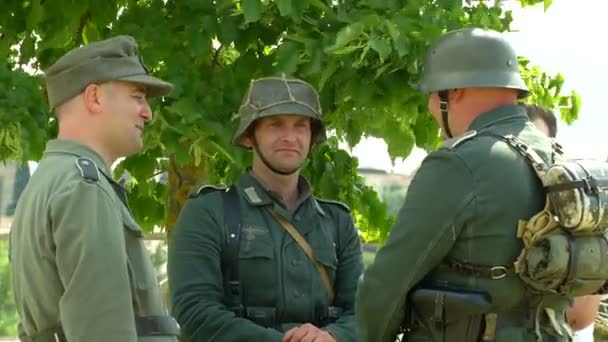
[59,337]
[156,326]
[498,272]
[49,335]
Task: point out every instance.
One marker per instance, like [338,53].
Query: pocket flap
[327,257]
[129,223]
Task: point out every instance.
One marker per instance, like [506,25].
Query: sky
[566,38]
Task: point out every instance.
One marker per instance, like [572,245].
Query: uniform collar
[62,146]
[257,195]
[500,114]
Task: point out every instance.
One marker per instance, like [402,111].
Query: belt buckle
[498,272]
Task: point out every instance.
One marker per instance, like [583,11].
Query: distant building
[382,181]
[391,187]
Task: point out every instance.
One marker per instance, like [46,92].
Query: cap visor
[154,86]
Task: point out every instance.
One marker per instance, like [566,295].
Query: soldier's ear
[246,140]
[456,95]
[92,98]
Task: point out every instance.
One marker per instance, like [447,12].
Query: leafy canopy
[364,56]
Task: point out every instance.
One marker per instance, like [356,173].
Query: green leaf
[228,30]
[576,103]
[381,45]
[314,65]
[348,34]
[184,107]
[287,58]
[252,10]
[328,72]
[90,33]
[401,141]
[141,166]
[344,50]
[286,7]
[547,4]
[35,15]
[393,30]
[402,45]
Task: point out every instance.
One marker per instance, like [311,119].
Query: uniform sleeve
[350,267]
[438,200]
[195,279]
[92,265]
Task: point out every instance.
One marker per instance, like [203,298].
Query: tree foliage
[8,312]
[364,56]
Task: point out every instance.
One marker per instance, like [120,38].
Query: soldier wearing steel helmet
[264,259]
[446,272]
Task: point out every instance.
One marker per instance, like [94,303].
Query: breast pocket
[323,244]
[327,258]
[257,264]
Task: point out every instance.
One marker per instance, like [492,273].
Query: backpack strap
[537,163]
[230,252]
[540,168]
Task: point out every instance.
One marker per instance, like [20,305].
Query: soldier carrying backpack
[498,231]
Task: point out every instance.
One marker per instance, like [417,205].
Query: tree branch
[176,171]
[83,22]
[157,174]
[216,56]
[214,62]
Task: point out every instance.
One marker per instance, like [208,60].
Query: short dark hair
[537,112]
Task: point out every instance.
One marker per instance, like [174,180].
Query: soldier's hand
[307,333]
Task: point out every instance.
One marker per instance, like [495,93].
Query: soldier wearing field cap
[79,268]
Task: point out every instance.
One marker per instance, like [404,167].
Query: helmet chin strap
[443,106]
[265,161]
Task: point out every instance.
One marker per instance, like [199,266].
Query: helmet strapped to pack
[273,96]
[470,58]
[566,244]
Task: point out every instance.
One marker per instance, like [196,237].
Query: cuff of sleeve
[332,333]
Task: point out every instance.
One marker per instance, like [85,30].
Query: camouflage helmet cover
[272,96]
[471,58]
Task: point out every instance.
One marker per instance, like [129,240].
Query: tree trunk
[182,180]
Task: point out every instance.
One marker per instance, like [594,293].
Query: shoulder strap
[230,252]
[206,188]
[88,169]
[338,203]
[308,251]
